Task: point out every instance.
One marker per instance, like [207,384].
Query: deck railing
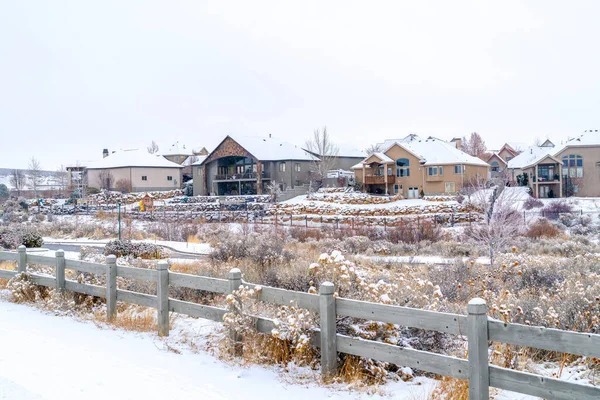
[476,326]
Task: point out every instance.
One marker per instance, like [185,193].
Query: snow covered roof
[176,149]
[272,149]
[530,156]
[200,160]
[588,138]
[132,158]
[535,154]
[359,166]
[518,146]
[346,150]
[430,151]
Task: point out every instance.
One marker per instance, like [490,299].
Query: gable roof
[132,158]
[530,157]
[495,154]
[431,151]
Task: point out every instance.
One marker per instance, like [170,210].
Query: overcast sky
[79,76]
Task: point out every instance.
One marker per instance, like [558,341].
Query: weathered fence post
[111,287]
[328,329]
[477,331]
[235,281]
[22,261]
[60,270]
[162,294]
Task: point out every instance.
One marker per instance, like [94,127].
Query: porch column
[364,169]
[385,178]
[258,177]
[560,186]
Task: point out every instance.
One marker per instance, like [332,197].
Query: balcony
[379,179]
[546,179]
[247,176]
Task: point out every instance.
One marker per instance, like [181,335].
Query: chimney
[104,153]
[269,136]
[457,143]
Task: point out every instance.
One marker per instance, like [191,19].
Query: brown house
[572,169]
[247,165]
[410,165]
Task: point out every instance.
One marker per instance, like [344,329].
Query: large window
[573,166]
[435,171]
[282,167]
[402,167]
[459,169]
[495,166]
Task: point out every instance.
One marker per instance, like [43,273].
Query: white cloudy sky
[79,76]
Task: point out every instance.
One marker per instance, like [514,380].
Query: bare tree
[474,145]
[105,180]
[123,185]
[18,180]
[35,175]
[502,222]
[374,148]
[153,148]
[325,154]
[60,179]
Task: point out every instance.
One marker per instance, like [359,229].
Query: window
[573,166]
[459,169]
[450,187]
[441,170]
[169,178]
[282,167]
[432,171]
[402,167]
[395,189]
[144,178]
[297,167]
[495,166]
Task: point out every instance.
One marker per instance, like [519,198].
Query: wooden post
[235,281]
[60,270]
[328,330]
[162,294]
[111,288]
[22,261]
[477,331]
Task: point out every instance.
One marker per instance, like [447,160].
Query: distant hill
[48,179]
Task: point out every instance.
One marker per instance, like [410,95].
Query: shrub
[542,228]
[17,235]
[123,248]
[532,202]
[554,209]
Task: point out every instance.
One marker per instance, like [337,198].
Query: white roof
[200,160]
[132,158]
[346,150]
[530,157]
[176,149]
[518,146]
[272,149]
[430,151]
[535,154]
[359,166]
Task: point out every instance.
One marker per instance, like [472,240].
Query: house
[572,168]
[412,164]
[247,165]
[134,170]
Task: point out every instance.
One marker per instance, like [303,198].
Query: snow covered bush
[124,248]
[532,203]
[16,235]
[555,208]
[23,290]
[542,228]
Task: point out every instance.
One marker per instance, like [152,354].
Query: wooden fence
[476,326]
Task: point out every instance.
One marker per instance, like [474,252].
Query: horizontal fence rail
[476,326]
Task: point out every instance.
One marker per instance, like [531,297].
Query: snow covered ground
[47,357]
[182,247]
[400,203]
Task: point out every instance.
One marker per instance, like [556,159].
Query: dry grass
[450,389]
[3,283]
[132,318]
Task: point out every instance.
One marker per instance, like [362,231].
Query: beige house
[410,165]
[572,169]
[135,170]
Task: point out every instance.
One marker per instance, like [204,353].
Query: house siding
[156,178]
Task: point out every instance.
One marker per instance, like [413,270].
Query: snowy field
[49,357]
